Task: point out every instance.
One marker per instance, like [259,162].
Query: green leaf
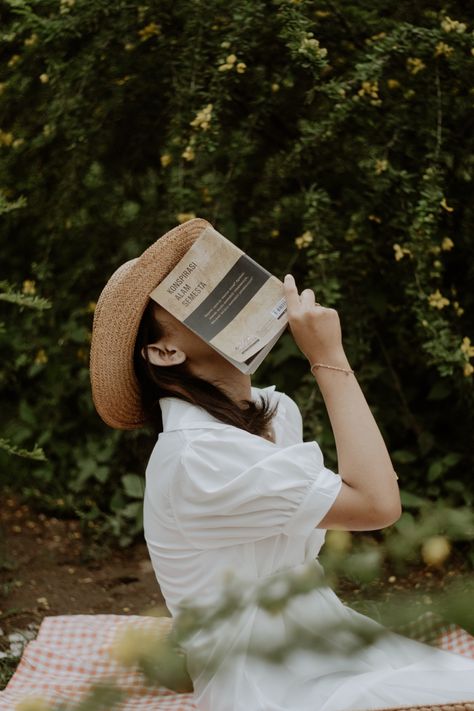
[440,390]
[134,485]
[403,456]
[411,500]
[133,509]
[36,453]
[435,470]
[425,442]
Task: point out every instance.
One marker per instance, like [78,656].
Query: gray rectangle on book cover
[232,293]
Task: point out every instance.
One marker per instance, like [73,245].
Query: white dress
[221,500]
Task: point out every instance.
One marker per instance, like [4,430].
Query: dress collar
[180,415]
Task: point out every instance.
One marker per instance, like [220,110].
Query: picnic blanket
[71,652]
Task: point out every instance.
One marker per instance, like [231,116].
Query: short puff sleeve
[233,487]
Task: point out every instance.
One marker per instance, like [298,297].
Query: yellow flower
[29,287]
[415,65]
[122,80]
[466,347]
[437,300]
[91,306]
[231,59]
[393,84]
[445,206]
[376,37]
[449,25]
[275,87]
[435,250]
[44,78]
[322,13]
[468,369]
[224,67]
[369,88]
[150,30]
[435,550]
[14,59]
[225,44]
[400,251]
[443,49]
[304,240]
[128,46]
[241,67]
[6,138]
[380,166]
[18,142]
[447,243]
[33,703]
[188,153]
[132,644]
[437,264]
[274,233]
[206,195]
[31,40]
[165,159]
[41,357]
[65,6]
[459,311]
[338,541]
[310,44]
[202,118]
[375,218]
[185,216]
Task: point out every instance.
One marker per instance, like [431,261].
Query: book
[226,298]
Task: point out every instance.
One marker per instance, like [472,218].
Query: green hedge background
[330,139]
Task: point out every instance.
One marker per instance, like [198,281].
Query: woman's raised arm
[369,497]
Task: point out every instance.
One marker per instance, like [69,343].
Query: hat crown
[119,310]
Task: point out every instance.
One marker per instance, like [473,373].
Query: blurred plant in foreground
[157,651]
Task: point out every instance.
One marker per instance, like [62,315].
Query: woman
[232,488]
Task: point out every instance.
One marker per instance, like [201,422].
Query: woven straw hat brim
[117,316]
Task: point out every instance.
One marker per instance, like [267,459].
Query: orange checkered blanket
[71,652]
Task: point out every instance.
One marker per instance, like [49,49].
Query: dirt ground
[46,569]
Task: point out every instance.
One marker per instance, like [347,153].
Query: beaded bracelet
[332,367]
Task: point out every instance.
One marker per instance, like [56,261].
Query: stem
[416,427]
[439,115]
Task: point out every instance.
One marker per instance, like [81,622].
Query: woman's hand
[316,329]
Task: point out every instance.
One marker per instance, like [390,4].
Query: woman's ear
[163,354]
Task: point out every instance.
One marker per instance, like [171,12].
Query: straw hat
[117,316]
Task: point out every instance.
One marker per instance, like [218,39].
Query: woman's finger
[307,297]
[291,293]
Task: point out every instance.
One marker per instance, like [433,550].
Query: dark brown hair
[157,382]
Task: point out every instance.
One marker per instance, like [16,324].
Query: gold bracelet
[332,367]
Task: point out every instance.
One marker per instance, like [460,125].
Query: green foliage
[37,453]
[331,141]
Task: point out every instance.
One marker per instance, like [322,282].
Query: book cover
[227,299]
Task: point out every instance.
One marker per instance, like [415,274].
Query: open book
[227,299]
